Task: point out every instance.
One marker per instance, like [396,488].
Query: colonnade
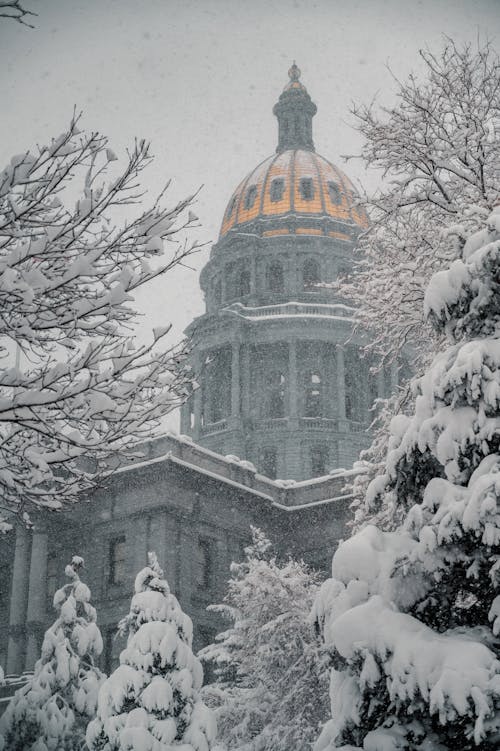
[240,387]
[28,600]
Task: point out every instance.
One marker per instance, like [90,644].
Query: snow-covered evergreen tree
[271,683]
[52,710]
[151,702]
[438,148]
[411,615]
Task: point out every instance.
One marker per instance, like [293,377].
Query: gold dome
[296,184]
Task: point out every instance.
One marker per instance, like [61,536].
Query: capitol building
[268,438]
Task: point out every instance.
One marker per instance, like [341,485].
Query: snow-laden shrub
[270,687]
[54,707]
[411,616]
[151,702]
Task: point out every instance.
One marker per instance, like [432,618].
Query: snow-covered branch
[438,149]
[74,385]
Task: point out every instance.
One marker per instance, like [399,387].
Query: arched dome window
[313,403]
[250,197]
[307,188]
[334,193]
[275,277]
[310,274]
[277,189]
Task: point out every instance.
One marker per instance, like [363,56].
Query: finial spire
[294,72]
[295,111]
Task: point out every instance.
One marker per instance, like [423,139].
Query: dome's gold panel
[297,183]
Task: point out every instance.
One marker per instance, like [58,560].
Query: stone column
[292,380]
[37,596]
[340,382]
[245,380]
[235,380]
[186,417]
[197,396]
[18,602]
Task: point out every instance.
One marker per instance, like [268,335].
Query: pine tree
[54,707]
[411,617]
[270,687]
[151,702]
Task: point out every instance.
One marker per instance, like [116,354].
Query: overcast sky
[198,78]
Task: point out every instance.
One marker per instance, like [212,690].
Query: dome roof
[294,183]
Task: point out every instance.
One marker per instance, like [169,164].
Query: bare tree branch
[16,12]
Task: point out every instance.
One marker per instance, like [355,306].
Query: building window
[319,460]
[310,275]
[51,581]
[268,462]
[313,397]
[307,188]
[238,280]
[334,193]
[250,197]
[277,189]
[117,559]
[204,563]
[217,386]
[355,385]
[275,395]
[275,277]
[244,285]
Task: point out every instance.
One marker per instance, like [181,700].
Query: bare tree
[75,386]
[14,10]
[438,149]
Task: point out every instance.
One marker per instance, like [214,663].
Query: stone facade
[189,504]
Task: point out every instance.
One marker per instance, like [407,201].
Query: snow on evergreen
[151,702]
[411,615]
[271,684]
[54,707]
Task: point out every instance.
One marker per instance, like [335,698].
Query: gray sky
[199,78]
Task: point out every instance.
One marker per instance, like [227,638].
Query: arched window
[355,384]
[277,189]
[275,401]
[275,278]
[319,460]
[217,386]
[268,462]
[334,193]
[310,274]
[244,283]
[313,406]
[250,197]
[307,188]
